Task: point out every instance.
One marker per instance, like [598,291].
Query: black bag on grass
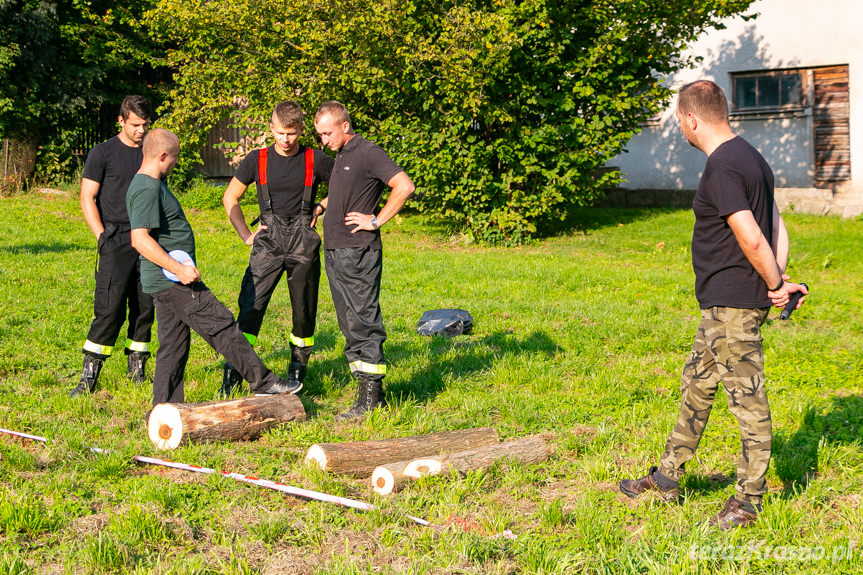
[446,322]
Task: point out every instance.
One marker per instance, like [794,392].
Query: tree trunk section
[244,419]
[389,478]
[526,450]
[361,457]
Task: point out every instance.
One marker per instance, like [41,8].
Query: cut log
[526,450]
[361,457]
[243,419]
[391,477]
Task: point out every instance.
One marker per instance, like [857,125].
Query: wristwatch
[374,223]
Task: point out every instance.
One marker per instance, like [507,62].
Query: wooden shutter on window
[832,128]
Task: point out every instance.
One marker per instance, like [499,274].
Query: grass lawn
[580,338]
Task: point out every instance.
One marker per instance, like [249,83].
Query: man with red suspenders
[287,176]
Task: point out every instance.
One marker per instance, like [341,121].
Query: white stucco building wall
[786,34]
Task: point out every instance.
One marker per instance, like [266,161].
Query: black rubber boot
[89,375]
[231,380]
[299,362]
[137,366]
[369,396]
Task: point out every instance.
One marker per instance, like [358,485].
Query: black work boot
[231,380]
[369,396]
[137,366]
[653,481]
[299,361]
[89,375]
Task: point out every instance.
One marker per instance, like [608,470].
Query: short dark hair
[289,114]
[139,105]
[335,109]
[705,99]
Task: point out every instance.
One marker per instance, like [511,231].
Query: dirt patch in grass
[241,519]
[175,475]
[506,500]
[89,525]
[290,561]
[581,430]
[50,569]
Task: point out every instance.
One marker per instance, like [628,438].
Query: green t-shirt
[152,206]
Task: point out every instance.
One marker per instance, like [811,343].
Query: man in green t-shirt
[162,235]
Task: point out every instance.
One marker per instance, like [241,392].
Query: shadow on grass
[796,455]
[434,356]
[471,357]
[706,483]
[575,218]
[50,248]
[586,219]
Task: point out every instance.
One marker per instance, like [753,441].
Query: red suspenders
[308,182]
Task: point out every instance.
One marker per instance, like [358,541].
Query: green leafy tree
[60,59]
[504,112]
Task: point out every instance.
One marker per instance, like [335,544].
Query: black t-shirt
[736,177]
[360,174]
[113,164]
[285,178]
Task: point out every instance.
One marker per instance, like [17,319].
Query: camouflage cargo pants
[727,348]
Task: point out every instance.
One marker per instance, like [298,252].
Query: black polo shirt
[360,174]
[113,164]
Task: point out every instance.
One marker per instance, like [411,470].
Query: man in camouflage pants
[739,249]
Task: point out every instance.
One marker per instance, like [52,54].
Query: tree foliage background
[504,112]
[60,60]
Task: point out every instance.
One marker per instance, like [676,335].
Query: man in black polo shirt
[162,235]
[108,170]
[287,177]
[352,245]
[739,250]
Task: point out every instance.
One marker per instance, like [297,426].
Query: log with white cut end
[361,457]
[243,419]
[389,478]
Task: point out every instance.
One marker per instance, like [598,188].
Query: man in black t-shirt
[287,176]
[108,170]
[352,245]
[739,251]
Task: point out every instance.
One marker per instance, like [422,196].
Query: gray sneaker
[279,387]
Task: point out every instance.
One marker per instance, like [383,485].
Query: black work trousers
[287,246]
[355,282]
[194,306]
[118,285]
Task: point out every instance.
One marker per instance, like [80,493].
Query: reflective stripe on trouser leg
[727,348]
[141,346]
[375,369]
[118,286]
[302,341]
[355,278]
[91,347]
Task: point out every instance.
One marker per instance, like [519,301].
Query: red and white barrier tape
[266,483]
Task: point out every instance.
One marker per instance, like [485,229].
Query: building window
[768,90]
